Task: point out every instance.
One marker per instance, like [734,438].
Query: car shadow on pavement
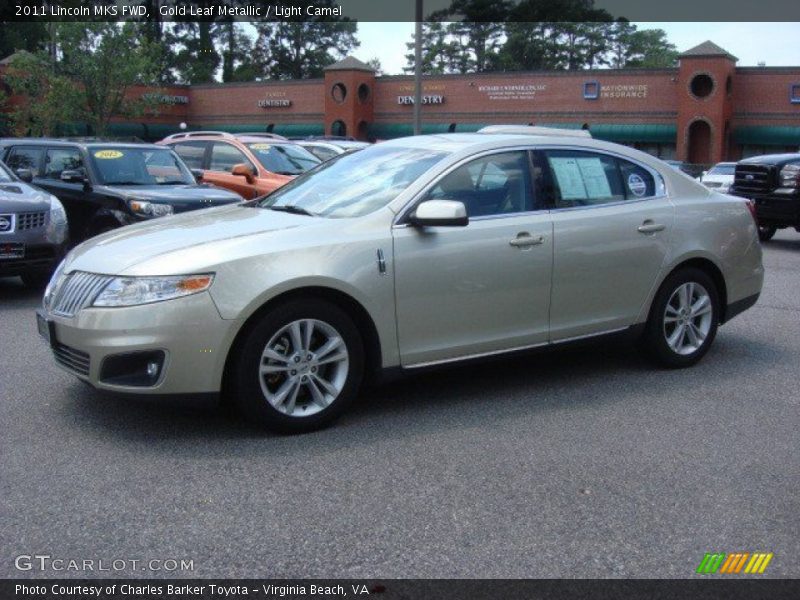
[793,244]
[466,395]
[13,290]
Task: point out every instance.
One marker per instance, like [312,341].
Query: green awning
[285,129]
[767,135]
[640,132]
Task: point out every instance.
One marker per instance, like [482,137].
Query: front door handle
[650,227]
[526,239]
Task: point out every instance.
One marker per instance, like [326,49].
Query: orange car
[250,164]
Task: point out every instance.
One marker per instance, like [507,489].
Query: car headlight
[56,231]
[130,291]
[145,208]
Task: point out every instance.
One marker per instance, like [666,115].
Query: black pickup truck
[773,183]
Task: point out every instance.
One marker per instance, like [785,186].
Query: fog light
[152,370]
[135,369]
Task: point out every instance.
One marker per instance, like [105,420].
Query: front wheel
[765,232]
[683,319]
[299,366]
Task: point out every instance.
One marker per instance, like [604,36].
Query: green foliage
[84,79]
[302,49]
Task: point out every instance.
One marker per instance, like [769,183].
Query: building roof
[707,48]
[349,63]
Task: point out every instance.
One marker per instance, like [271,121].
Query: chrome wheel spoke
[675,340]
[688,318]
[297,380]
[316,394]
[297,336]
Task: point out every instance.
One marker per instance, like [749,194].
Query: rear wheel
[299,366]
[766,232]
[683,319]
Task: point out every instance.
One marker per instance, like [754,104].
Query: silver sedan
[410,253]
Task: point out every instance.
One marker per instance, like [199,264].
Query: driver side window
[491,185]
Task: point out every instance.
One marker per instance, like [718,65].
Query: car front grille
[32,220]
[72,359]
[77,291]
[757,179]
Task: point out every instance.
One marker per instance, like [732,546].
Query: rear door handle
[526,239]
[650,227]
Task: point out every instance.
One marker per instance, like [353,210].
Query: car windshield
[129,165]
[284,159]
[723,170]
[352,185]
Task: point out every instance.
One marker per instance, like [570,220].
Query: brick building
[705,110]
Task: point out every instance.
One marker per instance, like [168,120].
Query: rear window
[722,170]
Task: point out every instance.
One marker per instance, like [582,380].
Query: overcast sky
[776,44]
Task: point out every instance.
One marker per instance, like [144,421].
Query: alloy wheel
[688,318]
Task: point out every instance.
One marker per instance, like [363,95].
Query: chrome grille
[77,291]
[30,220]
[753,178]
[72,359]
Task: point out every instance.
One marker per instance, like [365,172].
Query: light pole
[418,67]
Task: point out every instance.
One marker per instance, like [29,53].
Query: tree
[375,64]
[477,26]
[86,81]
[302,49]
[197,59]
[237,52]
[437,49]
[21,36]
[650,49]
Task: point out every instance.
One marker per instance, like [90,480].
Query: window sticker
[261,147]
[594,177]
[637,185]
[568,176]
[108,154]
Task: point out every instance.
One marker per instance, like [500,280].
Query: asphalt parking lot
[579,463]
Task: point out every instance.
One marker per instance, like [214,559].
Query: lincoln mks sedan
[410,253]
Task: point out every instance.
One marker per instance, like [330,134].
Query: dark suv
[105,185]
[773,183]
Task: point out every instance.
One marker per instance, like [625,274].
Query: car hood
[204,235]
[20,197]
[184,196]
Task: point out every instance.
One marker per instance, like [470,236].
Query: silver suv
[409,253]
[33,230]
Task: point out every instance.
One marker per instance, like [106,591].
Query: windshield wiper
[288,172]
[295,210]
[172,183]
[125,183]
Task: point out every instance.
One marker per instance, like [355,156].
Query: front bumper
[36,257]
[189,331]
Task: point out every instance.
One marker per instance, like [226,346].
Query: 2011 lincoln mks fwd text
[409,253]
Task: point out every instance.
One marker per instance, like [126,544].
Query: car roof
[771,158]
[83,144]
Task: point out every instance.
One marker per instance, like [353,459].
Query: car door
[611,227]
[77,201]
[224,157]
[480,288]
[25,157]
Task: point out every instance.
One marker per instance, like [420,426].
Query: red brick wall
[238,103]
[542,97]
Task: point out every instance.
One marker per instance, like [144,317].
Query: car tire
[765,233]
[683,319]
[299,366]
[36,280]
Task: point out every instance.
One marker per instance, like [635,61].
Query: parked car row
[406,254]
[60,192]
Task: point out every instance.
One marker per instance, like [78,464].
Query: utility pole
[418,67]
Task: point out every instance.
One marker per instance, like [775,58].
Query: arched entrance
[699,143]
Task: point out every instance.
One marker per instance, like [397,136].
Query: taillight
[751,206]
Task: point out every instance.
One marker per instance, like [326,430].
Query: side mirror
[198,174]
[73,176]
[25,175]
[244,171]
[440,213]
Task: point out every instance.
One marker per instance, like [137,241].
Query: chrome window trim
[403,213]
[660,183]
